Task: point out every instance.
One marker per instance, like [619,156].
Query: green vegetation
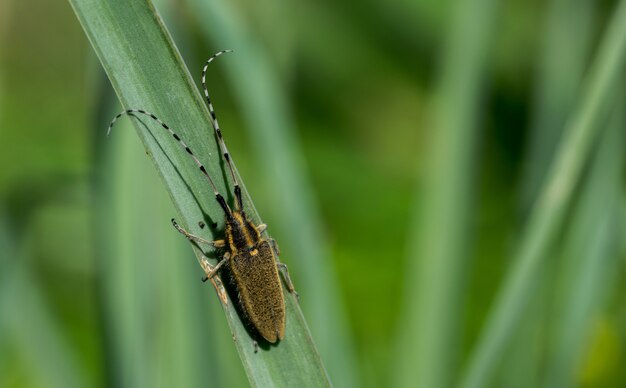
[118,34]
[445,181]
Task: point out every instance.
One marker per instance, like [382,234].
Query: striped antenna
[218,132]
[133,112]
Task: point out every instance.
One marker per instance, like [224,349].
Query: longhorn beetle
[251,258]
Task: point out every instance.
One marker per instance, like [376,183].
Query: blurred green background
[418,136]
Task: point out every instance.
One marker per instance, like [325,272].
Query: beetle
[250,258]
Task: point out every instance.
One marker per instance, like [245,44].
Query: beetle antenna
[218,132]
[133,112]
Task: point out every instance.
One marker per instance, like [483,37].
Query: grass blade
[556,88]
[438,252]
[554,97]
[150,343]
[147,72]
[267,112]
[590,257]
[548,213]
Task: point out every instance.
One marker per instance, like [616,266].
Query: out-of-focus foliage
[358,86]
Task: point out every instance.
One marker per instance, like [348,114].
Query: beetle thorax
[240,232]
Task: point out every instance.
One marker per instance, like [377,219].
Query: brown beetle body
[252,264]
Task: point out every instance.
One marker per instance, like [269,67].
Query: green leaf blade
[549,212]
[148,73]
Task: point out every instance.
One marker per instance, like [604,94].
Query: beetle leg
[210,270]
[285,271]
[190,236]
[275,246]
[219,243]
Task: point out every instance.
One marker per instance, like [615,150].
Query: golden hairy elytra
[251,260]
